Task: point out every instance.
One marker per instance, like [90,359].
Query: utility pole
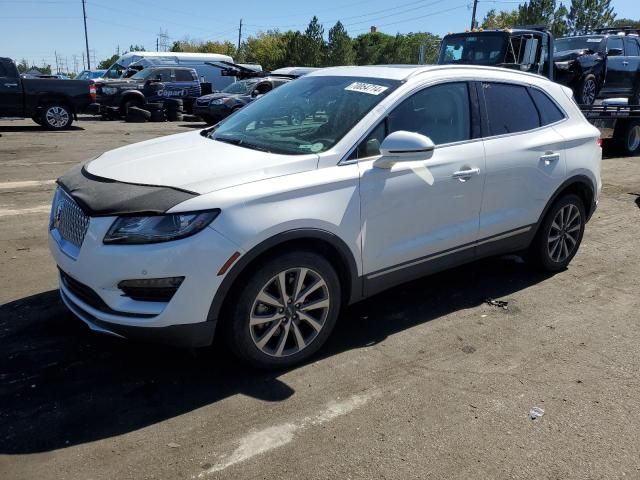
[239,36]
[473,15]
[83,67]
[86,37]
[157,44]
[56,55]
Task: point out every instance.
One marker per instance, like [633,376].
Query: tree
[585,15]
[536,12]
[267,49]
[312,44]
[196,46]
[371,48]
[23,66]
[626,22]
[500,20]
[339,48]
[107,62]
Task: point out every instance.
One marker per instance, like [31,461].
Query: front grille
[203,102]
[69,219]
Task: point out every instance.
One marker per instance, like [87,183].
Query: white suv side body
[376,227]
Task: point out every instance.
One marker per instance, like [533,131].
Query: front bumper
[215,113]
[98,268]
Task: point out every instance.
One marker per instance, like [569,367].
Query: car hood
[192,162]
[571,55]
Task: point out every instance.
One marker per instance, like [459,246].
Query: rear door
[525,161]
[616,77]
[632,54]
[10,91]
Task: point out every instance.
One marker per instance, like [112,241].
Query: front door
[615,82]
[422,216]
[10,92]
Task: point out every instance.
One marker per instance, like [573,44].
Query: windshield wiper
[241,143]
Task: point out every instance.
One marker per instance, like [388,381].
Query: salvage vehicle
[262,232]
[527,49]
[148,85]
[605,64]
[216,106]
[49,102]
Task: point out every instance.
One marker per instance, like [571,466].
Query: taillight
[92,92]
[600,141]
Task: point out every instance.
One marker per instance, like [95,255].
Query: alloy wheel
[57,117]
[289,312]
[589,92]
[564,233]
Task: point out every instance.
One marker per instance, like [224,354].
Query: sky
[38,30]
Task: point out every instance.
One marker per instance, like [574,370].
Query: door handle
[625,63]
[464,175]
[10,85]
[550,157]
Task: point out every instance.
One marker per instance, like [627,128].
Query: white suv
[327,190]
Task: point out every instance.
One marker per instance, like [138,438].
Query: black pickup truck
[49,102]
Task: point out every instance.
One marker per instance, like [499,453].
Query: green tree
[313,46]
[536,12]
[626,22]
[585,15]
[23,66]
[339,48]
[372,48]
[196,46]
[107,62]
[266,48]
[500,20]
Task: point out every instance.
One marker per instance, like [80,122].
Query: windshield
[141,75]
[487,49]
[115,71]
[577,43]
[241,87]
[308,115]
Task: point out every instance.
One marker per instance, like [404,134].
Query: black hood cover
[103,197]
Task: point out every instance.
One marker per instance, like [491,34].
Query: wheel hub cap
[564,233]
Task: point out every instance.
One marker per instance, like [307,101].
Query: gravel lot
[424,381]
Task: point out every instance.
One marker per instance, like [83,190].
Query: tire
[628,138]
[587,90]
[174,116]
[154,106]
[56,116]
[548,250]
[138,115]
[130,103]
[173,103]
[262,345]
[158,116]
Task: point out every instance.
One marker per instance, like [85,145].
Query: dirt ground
[425,381]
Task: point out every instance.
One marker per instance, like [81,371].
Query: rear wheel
[628,138]
[560,234]
[285,311]
[56,116]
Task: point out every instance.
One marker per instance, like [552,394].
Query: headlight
[109,90]
[218,101]
[158,228]
[564,65]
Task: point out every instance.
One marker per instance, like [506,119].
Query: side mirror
[615,52]
[402,146]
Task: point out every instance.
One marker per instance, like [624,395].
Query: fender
[581,180]
[132,93]
[347,258]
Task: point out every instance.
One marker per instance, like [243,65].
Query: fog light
[151,289]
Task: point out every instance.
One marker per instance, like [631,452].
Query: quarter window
[549,111]
[184,76]
[509,108]
[632,49]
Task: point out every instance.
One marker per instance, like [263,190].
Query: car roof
[406,72]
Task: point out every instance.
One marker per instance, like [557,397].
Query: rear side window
[549,111]
[614,42]
[509,108]
[184,76]
[3,70]
[631,48]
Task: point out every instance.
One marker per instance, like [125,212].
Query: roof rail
[539,28]
[626,30]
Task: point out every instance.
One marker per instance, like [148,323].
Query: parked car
[49,102]
[214,107]
[605,65]
[90,74]
[261,233]
[148,85]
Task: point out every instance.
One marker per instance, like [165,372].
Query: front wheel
[587,90]
[560,234]
[285,311]
[56,117]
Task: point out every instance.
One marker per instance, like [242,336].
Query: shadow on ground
[61,385]
[34,128]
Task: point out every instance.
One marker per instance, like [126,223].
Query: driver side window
[441,112]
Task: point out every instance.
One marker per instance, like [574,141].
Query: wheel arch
[50,99]
[132,95]
[321,241]
[580,185]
